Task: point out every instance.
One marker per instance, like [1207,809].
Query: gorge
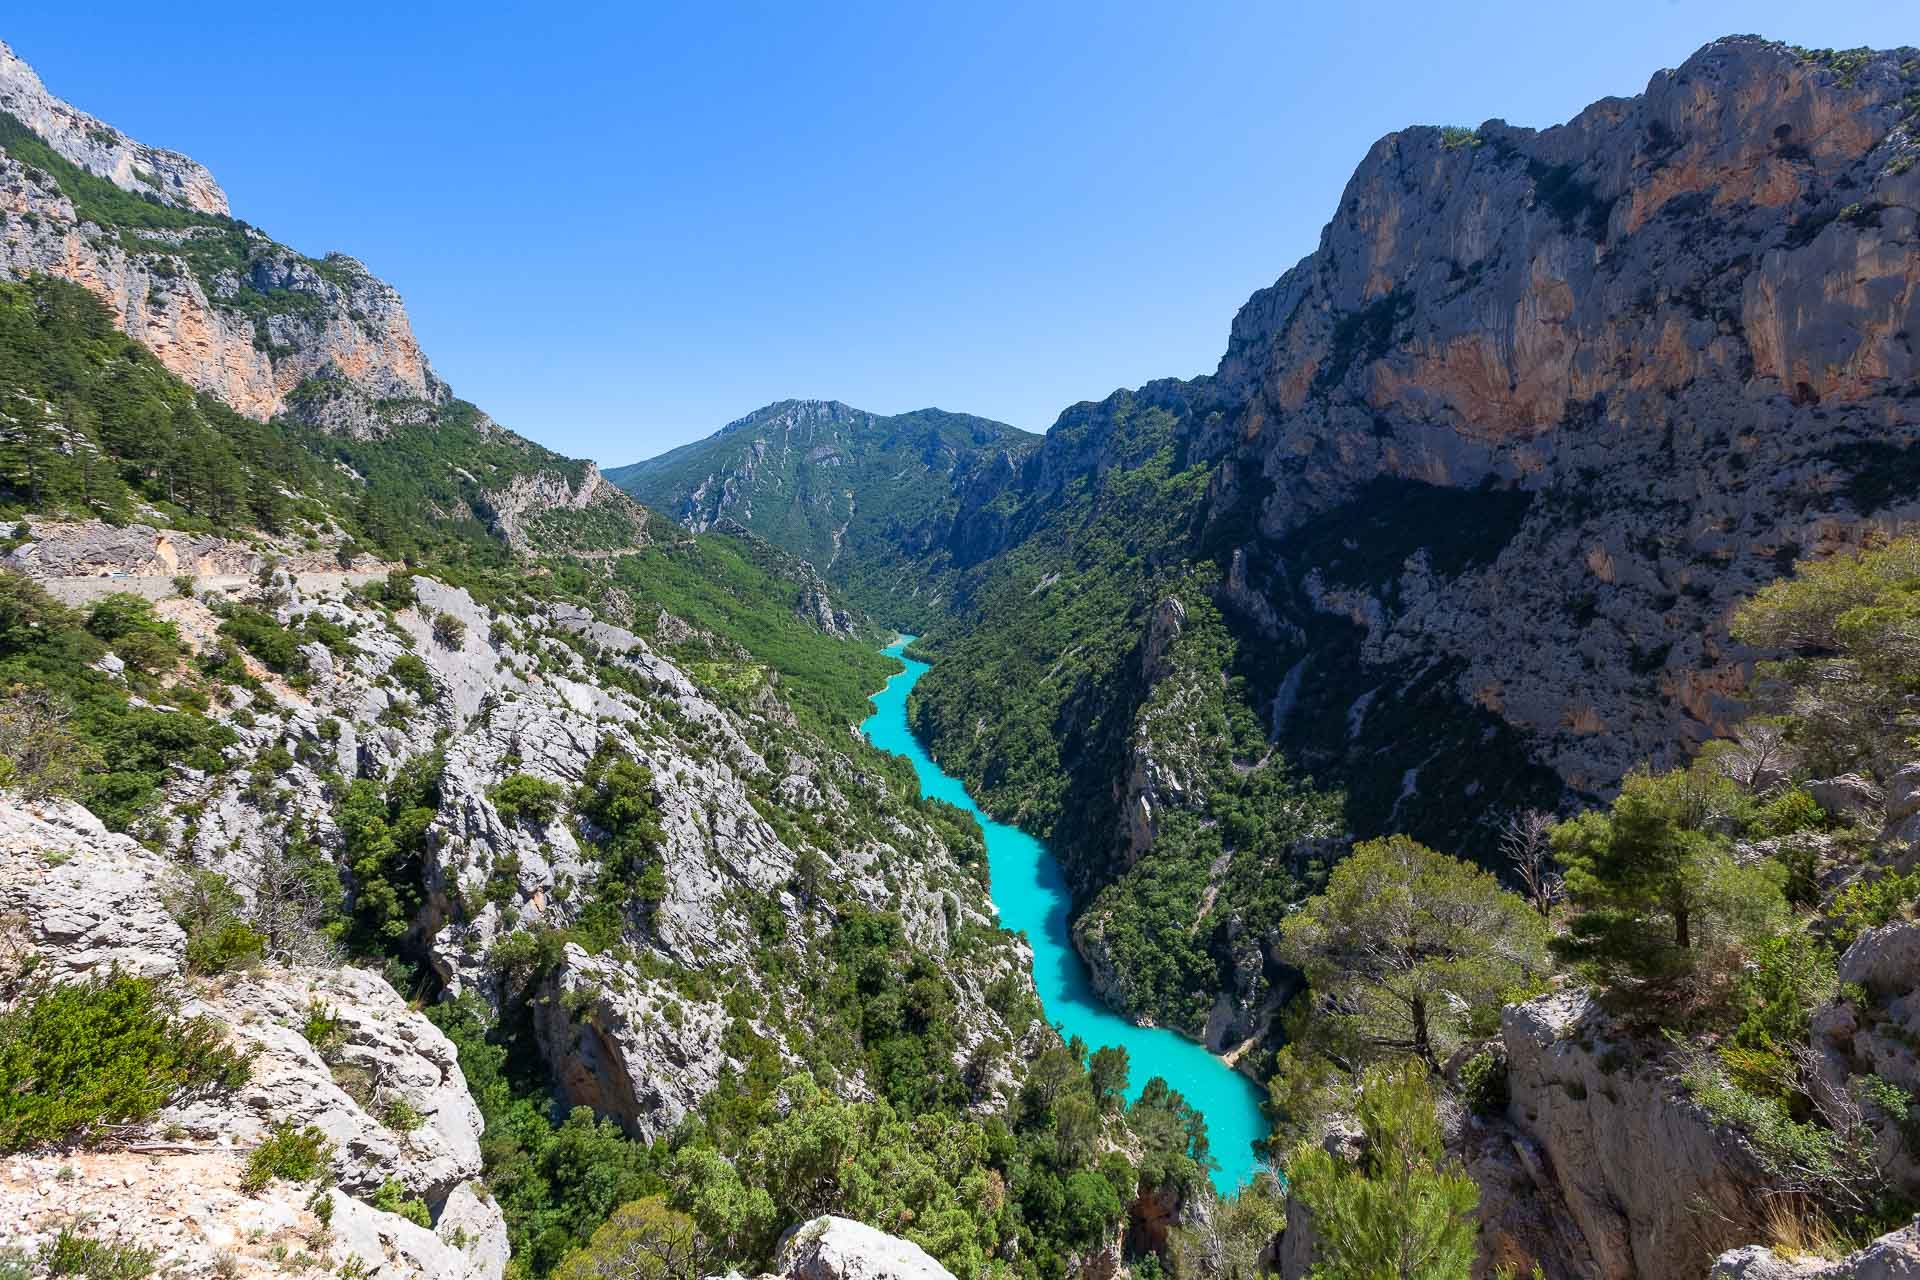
[1029,896]
[1482,709]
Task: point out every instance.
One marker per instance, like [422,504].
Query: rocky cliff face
[222,305]
[101,149]
[1666,342]
[518,696]
[82,902]
[1480,479]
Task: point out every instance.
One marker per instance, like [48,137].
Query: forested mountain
[870,501]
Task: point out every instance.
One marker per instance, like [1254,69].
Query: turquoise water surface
[1031,896]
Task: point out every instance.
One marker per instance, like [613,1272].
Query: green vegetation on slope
[867,500]
[94,424]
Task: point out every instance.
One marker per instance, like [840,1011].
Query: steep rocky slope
[869,500]
[1476,483]
[82,903]
[222,305]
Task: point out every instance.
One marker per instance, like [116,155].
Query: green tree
[643,1240]
[1407,944]
[1107,1070]
[1655,876]
[1405,1211]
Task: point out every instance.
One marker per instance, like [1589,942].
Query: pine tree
[1406,944]
[1405,1211]
[1655,876]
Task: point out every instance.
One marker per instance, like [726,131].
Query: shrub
[521,797]
[107,1051]
[323,1028]
[411,674]
[289,1154]
[401,1116]
[73,1254]
[260,635]
[1483,1084]
[40,755]
[449,631]
[392,1197]
[218,939]
[234,945]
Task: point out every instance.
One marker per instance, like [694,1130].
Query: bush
[323,1028]
[218,939]
[73,1254]
[521,797]
[234,945]
[392,1197]
[107,1051]
[449,631]
[290,1154]
[411,674]
[401,1116]
[277,648]
[1483,1084]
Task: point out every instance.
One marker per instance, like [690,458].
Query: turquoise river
[1031,896]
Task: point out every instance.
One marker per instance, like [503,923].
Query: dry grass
[1795,1228]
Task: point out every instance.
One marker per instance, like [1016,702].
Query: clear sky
[620,226]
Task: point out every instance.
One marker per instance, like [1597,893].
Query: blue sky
[618,227]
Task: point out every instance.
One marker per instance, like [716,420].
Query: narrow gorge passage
[1031,896]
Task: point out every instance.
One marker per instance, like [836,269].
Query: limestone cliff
[1675,330]
[1476,483]
[221,304]
[82,902]
[101,149]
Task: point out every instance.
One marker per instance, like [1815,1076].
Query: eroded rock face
[526,694]
[101,149]
[1677,321]
[85,900]
[1602,1167]
[89,902]
[327,320]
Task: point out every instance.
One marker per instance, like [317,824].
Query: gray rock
[1635,1179]
[1895,1256]
[1849,796]
[1885,960]
[1903,793]
[829,1248]
[88,899]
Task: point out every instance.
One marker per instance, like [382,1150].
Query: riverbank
[1030,894]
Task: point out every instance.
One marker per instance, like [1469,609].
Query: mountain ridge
[789,472]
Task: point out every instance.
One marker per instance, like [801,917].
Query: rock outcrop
[1891,1257]
[222,305]
[87,902]
[101,149]
[1601,1166]
[830,1248]
[1672,330]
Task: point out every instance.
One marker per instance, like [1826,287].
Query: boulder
[1886,960]
[830,1248]
[86,899]
[1903,792]
[1892,1257]
[1849,796]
